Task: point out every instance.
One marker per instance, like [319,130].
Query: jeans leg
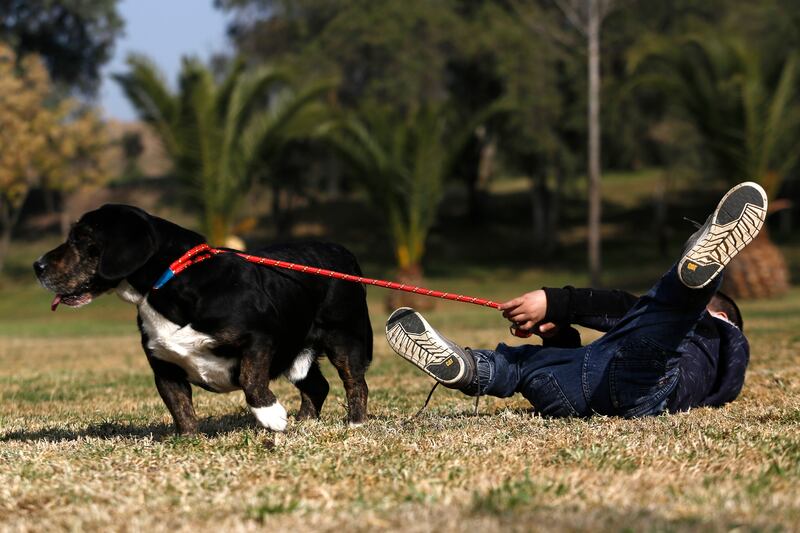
[666,314]
[498,371]
[671,292]
[550,378]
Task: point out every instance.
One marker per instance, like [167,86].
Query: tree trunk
[218,230]
[478,188]
[50,199]
[540,213]
[282,211]
[545,212]
[411,275]
[9,216]
[759,271]
[537,216]
[595,194]
[554,213]
[5,242]
[660,227]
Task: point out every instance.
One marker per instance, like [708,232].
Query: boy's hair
[723,303]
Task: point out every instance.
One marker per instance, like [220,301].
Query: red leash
[204,251]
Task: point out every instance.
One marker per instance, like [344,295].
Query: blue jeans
[629,372]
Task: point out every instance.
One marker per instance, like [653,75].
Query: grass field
[86,443]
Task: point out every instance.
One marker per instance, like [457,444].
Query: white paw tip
[272,417]
[355,424]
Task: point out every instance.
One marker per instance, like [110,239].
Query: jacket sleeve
[591,308]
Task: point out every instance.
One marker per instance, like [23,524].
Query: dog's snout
[38,267]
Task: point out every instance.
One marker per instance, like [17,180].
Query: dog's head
[103,247]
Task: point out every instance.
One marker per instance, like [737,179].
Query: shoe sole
[410,335]
[737,220]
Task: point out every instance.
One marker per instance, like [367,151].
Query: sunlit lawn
[86,443]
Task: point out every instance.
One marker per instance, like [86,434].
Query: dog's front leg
[254,379]
[177,395]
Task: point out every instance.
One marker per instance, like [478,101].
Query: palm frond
[270,129]
[250,92]
[779,118]
[719,85]
[403,161]
[228,85]
[149,94]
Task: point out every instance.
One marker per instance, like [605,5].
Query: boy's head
[723,306]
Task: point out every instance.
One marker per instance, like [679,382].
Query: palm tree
[403,160]
[748,120]
[221,136]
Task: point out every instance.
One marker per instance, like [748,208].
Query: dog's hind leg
[254,378]
[351,359]
[345,335]
[313,391]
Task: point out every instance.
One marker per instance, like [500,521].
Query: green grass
[87,444]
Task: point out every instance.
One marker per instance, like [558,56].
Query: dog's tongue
[56,301]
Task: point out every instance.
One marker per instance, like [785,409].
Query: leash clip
[165,277]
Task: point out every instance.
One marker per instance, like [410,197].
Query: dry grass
[86,444]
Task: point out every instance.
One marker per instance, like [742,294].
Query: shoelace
[695,223]
[436,384]
[430,395]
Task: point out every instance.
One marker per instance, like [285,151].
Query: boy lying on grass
[679,346]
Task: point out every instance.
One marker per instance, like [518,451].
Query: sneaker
[410,335]
[732,226]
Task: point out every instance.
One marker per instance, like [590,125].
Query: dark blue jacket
[713,358]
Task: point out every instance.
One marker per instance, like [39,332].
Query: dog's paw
[272,417]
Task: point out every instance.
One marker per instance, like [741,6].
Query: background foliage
[46,140]
[383,58]
[74,37]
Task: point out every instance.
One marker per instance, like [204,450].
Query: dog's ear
[130,241]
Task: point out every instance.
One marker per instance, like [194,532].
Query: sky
[165,30]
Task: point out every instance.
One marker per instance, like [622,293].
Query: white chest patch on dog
[182,346]
[301,365]
[128,293]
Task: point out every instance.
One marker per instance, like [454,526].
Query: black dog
[222,324]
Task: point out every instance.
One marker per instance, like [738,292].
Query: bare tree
[586,16]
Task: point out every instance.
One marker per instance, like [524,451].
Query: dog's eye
[78,235]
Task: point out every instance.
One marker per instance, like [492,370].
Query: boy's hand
[527,310]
